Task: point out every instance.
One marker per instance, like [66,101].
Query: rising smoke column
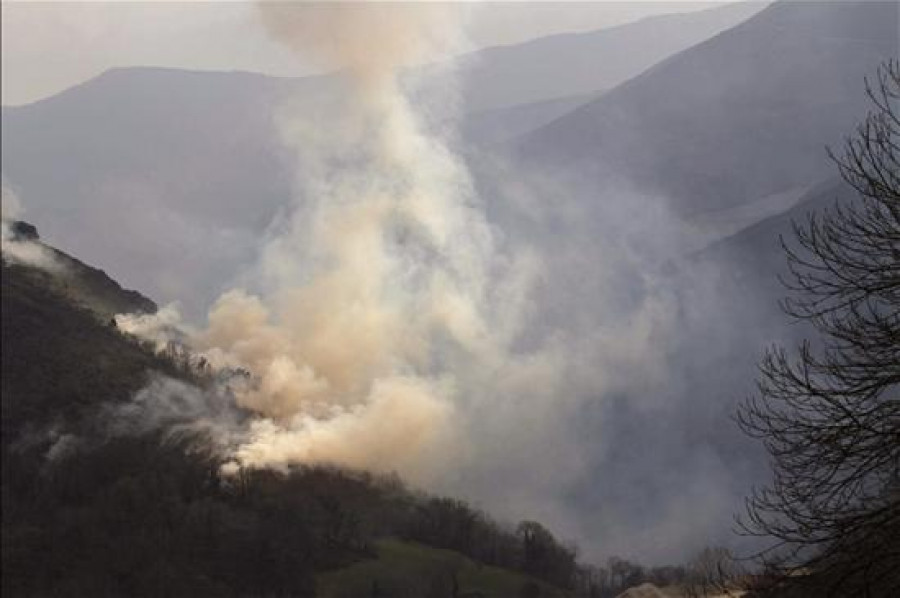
[393,329]
[382,285]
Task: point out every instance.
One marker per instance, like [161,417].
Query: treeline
[141,516]
[154,516]
[528,547]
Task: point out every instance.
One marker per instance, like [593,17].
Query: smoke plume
[162,328]
[386,294]
[523,362]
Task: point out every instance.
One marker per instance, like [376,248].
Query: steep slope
[737,118]
[94,509]
[59,352]
[46,340]
[88,287]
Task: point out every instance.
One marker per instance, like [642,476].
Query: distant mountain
[146,166]
[497,125]
[168,178]
[732,133]
[740,117]
[572,64]
[755,255]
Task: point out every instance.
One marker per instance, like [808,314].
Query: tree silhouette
[829,414]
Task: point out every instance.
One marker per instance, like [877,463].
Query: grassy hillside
[415,570]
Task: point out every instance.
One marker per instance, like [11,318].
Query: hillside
[59,351]
[444,572]
[95,507]
[498,125]
[58,357]
[735,119]
[88,287]
[755,254]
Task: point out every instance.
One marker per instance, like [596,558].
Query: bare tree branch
[829,413]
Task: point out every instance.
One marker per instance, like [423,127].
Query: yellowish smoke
[382,282]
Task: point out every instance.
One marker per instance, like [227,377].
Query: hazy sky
[49,46]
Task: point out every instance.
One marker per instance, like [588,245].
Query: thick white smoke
[161,328]
[386,295]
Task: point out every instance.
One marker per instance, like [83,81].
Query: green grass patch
[411,570]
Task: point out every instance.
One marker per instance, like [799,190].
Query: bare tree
[712,572]
[829,414]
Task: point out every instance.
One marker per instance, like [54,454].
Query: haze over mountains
[615,174]
[757,103]
[202,148]
[723,143]
[573,64]
[737,118]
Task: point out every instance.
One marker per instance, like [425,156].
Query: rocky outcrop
[22,231]
[90,287]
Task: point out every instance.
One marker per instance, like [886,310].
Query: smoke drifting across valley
[392,325]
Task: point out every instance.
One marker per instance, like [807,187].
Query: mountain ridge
[198,156]
[89,287]
[746,113]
